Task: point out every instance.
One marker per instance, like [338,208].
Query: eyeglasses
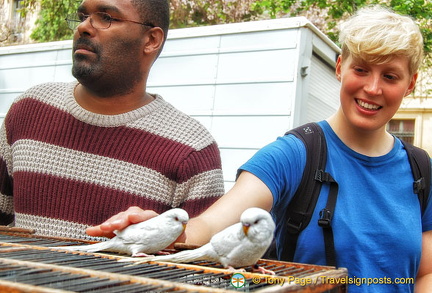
[98,20]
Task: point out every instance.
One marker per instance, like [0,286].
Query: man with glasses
[74,154]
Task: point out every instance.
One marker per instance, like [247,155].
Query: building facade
[15,29]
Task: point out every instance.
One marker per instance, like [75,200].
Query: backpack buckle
[419,185]
[293,227]
[322,176]
[325,218]
[319,174]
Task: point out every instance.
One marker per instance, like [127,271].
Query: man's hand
[120,221]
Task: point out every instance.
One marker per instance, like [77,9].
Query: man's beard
[106,85]
[83,67]
[81,71]
[102,75]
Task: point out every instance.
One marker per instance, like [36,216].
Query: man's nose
[86,25]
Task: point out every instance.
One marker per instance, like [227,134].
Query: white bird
[143,238]
[239,245]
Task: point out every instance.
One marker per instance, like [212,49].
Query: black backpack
[301,207]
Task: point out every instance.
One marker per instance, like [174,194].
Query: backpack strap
[299,211]
[326,216]
[420,163]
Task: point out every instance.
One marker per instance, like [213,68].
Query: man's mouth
[83,49]
[368,106]
[84,46]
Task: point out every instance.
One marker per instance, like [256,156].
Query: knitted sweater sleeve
[201,180]
[6,199]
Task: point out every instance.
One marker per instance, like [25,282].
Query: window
[404,129]
[16,9]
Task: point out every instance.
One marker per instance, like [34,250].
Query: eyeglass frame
[70,20]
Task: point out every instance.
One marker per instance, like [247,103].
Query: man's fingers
[141,216]
[120,221]
[96,231]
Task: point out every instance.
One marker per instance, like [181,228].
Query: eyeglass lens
[99,20]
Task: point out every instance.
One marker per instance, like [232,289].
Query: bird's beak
[184,225]
[246,228]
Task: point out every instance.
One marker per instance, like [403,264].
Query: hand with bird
[143,238]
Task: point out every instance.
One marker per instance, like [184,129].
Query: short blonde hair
[376,34]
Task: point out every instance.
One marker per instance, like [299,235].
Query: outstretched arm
[248,191]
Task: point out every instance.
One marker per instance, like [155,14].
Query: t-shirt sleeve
[279,166]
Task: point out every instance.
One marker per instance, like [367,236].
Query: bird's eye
[176,218]
[256,222]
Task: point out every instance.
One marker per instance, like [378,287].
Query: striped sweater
[64,168]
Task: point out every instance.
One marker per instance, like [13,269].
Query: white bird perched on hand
[239,245]
[143,238]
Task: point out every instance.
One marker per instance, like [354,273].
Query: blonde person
[379,232]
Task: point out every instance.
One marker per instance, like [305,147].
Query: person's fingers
[120,221]
[96,231]
[141,216]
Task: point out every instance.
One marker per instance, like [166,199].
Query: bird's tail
[87,248]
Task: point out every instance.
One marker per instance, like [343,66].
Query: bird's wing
[239,249]
[245,254]
[141,232]
[227,240]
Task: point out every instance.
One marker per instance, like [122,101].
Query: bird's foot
[257,269]
[230,268]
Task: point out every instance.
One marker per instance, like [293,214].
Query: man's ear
[154,39]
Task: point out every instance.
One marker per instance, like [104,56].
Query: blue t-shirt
[377,223]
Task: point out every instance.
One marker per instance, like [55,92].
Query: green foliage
[334,11]
[274,8]
[51,24]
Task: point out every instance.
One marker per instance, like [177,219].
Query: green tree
[51,25]
[326,14]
